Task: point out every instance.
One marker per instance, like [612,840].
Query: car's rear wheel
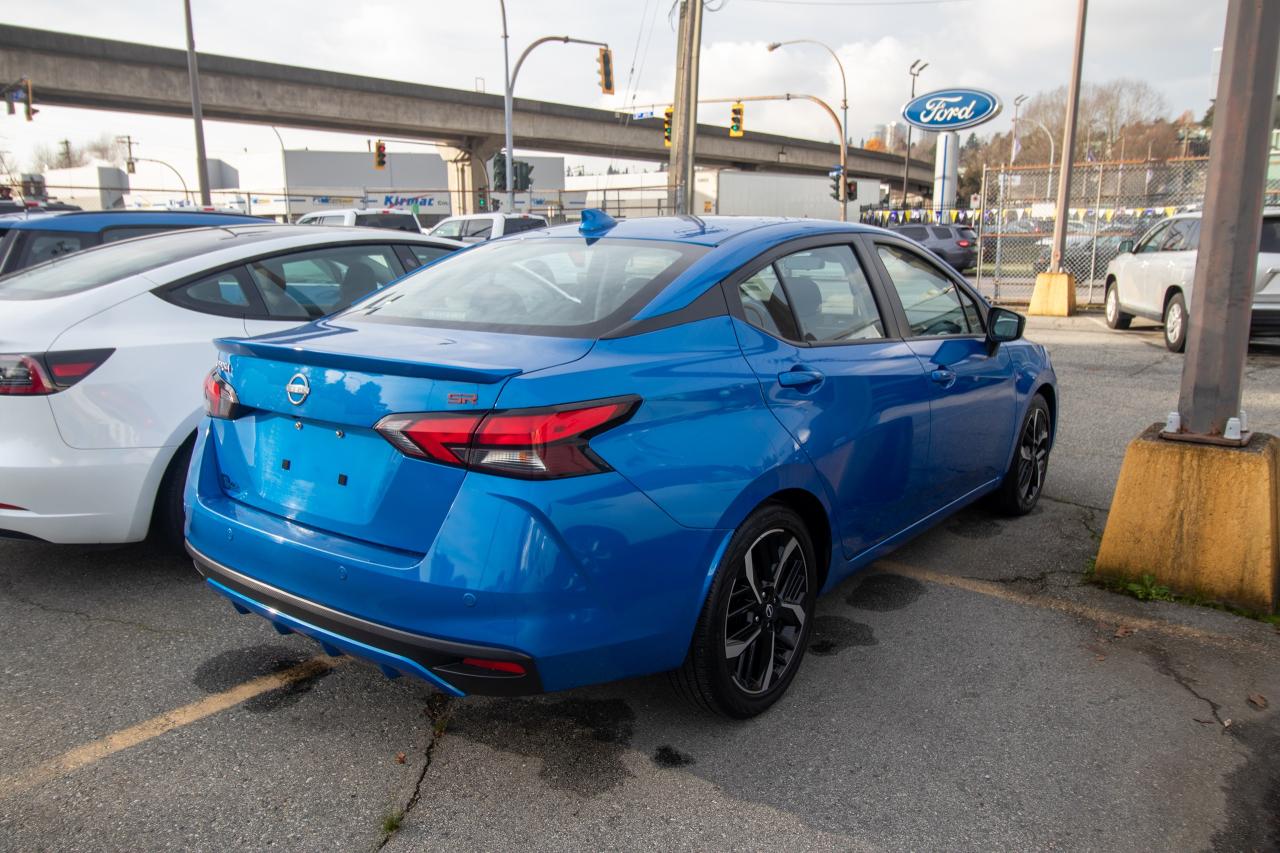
[1023,483]
[168,517]
[755,623]
[1116,319]
[1175,323]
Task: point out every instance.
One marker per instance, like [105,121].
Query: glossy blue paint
[951,109]
[601,576]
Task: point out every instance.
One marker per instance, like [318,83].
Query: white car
[1153,278]
[103,354]
[478,227]
[366,217]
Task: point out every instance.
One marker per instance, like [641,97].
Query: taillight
[963,244]
[220,400]
[32,375]
[531,443]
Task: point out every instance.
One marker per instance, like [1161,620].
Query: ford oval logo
[297,389]
[951,109]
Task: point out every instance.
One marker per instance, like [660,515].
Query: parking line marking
[94,751]
[1073,608]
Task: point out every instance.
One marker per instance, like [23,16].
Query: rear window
[397,221]
[968,234]
[515,226]
[566,287]
[914,232]
[113,261]
[1270,235]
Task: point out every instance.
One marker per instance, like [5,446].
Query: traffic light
[482,201]
[666,126]
[735,120]
[380,155]
[605,60]
[522,176]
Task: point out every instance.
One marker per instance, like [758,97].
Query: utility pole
[679,114]
[127,141]
[1068,146]
[66,153]
[691,97]
[197,116]
[1230,229]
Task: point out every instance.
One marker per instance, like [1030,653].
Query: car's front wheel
[1024,481]
[1175,323]
[1116,319]
[755,623]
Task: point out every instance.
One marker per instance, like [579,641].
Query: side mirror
[1004,325]
[1126,247]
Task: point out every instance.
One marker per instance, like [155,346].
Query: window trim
[872,242]
[888,318]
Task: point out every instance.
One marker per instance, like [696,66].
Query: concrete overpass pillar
[465,165]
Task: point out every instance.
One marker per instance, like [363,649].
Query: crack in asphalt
[437,711]
[1042,578]
[1164,666]
[1044,497]
[93,617]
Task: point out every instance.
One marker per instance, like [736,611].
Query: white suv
[478,227]
[1153,278]
[398,220]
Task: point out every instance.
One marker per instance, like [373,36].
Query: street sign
[951,109]
[643,114]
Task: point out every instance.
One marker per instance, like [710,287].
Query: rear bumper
[69,495]
[437,661]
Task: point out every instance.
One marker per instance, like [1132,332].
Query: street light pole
[284,165]
[1068,145]
[844,123]
[914,71]
[186,192]
[193,71]
[1013,144]
[506,107]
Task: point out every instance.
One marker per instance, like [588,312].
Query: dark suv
[955,244]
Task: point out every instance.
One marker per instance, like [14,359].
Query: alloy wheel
[1033,455]
[765,618]
[1113,305]
[1173,322]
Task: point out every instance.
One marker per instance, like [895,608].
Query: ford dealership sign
[951,109]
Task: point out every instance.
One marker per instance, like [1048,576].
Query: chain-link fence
[1111,202]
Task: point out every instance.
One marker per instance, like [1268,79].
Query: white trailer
[732,193]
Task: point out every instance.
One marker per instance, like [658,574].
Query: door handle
[799,378]
[945,378]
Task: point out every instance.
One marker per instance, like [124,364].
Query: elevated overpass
[82,71]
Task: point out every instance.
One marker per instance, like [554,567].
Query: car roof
[89,221]
[710,230]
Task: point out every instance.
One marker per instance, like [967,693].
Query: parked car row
[564,457]
[1153,279]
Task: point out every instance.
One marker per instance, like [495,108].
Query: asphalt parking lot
[970,693]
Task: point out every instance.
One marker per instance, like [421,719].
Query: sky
[1008,46]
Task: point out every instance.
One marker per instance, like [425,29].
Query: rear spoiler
[450,371]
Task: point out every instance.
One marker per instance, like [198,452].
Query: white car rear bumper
[67,495]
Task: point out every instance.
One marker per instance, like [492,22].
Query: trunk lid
[306,450]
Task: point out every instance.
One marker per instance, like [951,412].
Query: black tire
[727,670]
[168,517]
[1116,319]
[1175,323]
[1024,482]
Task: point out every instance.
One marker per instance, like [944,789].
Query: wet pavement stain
[669,756]
[834,634]
[1253,790]
[580,742]
[885,592]
[224,671]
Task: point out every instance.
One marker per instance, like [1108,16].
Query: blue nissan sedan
[612,449]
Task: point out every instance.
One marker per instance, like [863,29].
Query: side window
[940,233]
[222,293]
[1181,236]
[829,295]
[479,228]
[306,285]
[127,232]
[929,297]
[1152,242]
[426,254]
[764,304]
[914,232]
[448,228]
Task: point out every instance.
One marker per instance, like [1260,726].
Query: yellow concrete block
[1054,295]
[1202,519]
